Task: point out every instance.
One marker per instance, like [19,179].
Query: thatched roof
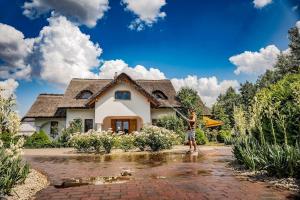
[46,105]
[123,79]
[54,105]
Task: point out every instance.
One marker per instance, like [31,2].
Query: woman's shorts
[191,135]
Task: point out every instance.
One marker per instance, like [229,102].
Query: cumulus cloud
[208,88]
[109,68]
[147,12]
[80,11]
[8,87]
[14,51]
[298,26]
[62,51]
[261,3]
[255,62]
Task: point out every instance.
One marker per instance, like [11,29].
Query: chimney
[116,75]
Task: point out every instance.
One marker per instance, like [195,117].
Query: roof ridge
[154,80]
[50,94]
[92,79]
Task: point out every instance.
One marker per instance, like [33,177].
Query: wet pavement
[166,175]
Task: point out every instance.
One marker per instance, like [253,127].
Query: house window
[122,95]
[85,94]
[53,129]
[159,94]
[88,125]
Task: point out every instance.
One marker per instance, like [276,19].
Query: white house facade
[119,104]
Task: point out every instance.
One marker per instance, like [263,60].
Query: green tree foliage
[247,91]
[280,110]
[224,107]
[190,100]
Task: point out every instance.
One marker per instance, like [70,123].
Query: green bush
[108,141]
[159,138]
[140,141]
[38,140]
[82,142]
[127,142]
[13,170]
[6,138]
[277,160]
[200,137]
[173,123]
[223,134]
[211,134]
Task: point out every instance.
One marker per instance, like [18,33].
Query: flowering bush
[140,141]
[93,141]
[159,138]
[126,142]
[107,140]
[12,169]
[151,136]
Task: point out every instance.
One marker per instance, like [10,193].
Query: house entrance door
[124,125]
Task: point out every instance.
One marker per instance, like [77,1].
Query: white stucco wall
[107,105]
[160,112]
[80,114]
[44,124]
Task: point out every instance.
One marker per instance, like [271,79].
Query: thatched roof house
[120,104]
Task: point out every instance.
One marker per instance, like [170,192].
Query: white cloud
[80,11]
[208,88]
[62,51]
[8,87]
[298,26]
[261,3]
[109,68]
[255,62]
[147,12]
[14,51]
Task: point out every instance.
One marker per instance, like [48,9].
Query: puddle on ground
[75,171]
[148,159]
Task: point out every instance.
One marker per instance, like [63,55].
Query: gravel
[33,183]
[254,176]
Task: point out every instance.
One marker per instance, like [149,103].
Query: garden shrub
[140,141]
[211,134]
[159,138]
[82,142]
[6,138]
[13,170]
[223,134]
[75,126]
[107,140]
[38,140]
[126,142]
[200,137]
[173,123]
[277,160]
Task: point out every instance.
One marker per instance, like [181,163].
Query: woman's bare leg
[195,145]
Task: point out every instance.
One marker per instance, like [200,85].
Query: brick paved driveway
[155,176]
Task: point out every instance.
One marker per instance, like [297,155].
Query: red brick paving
[204,177]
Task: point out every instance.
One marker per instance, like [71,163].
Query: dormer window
[85,94]
[159,95]
[122,95]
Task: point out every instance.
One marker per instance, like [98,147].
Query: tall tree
[247,91]
[227,101]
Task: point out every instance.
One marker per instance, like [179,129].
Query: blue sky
[191,38]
